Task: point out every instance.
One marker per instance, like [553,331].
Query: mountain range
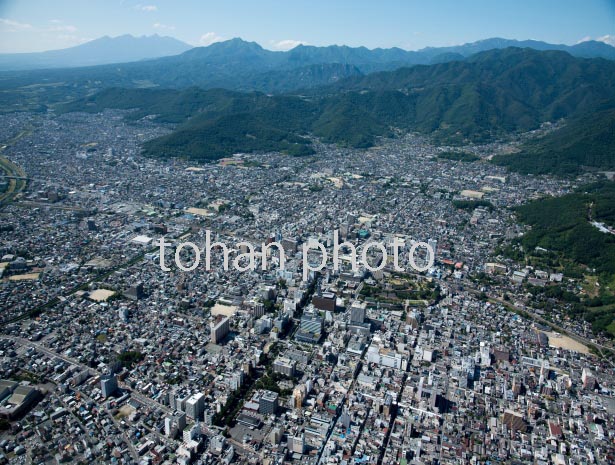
[489,95]
[127,48]
[246,66]
[349,96]
[100,51]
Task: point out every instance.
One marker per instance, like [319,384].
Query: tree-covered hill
[564,227]
[586,142]
[489,95]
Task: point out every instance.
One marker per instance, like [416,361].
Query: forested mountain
[587,49]
[562,226]
[586,142]
[489,95]
[235,64]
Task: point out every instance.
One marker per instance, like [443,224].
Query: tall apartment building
[195,405]
[284,366]
[220,328]
[108,385]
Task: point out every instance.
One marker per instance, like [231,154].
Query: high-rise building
[135,292]
[192,434]
[290,306]
[275,436]
[345,418]
[217,444]
[299,396]
[220,329]
[485,356]
[168,427]
[258,309]
[174,423]
[195,405]
[284,366]
[290,246]
[108,385]
[296,444]
[236,380]
[180,401]
[357,312]
[268,403]
[180,419]
[589,379]
[267,292]
[123,314]
[434,245]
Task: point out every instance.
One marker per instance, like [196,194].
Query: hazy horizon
[264,46]
[36,26]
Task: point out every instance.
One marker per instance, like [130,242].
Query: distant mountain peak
[589,49]
[104,50]
[229,50]
[238,42]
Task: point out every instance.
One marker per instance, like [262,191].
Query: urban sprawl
[106,358]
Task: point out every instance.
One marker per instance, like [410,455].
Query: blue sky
[35,25]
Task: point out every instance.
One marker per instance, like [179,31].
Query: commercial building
[326,301]
[310,329]
[357,312]
[20,400]
[268,403]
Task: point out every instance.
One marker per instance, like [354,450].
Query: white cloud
[163,27]
[209,38]
[72,39]
[584,39]
[14,25]
[58,26]
[62,28]
[148,8]
[53,35]
[607,39]
[286,44]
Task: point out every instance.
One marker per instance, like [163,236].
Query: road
[16,177]
[151,403]
[42,349]
[544,321]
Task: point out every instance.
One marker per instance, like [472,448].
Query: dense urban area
[106,358]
